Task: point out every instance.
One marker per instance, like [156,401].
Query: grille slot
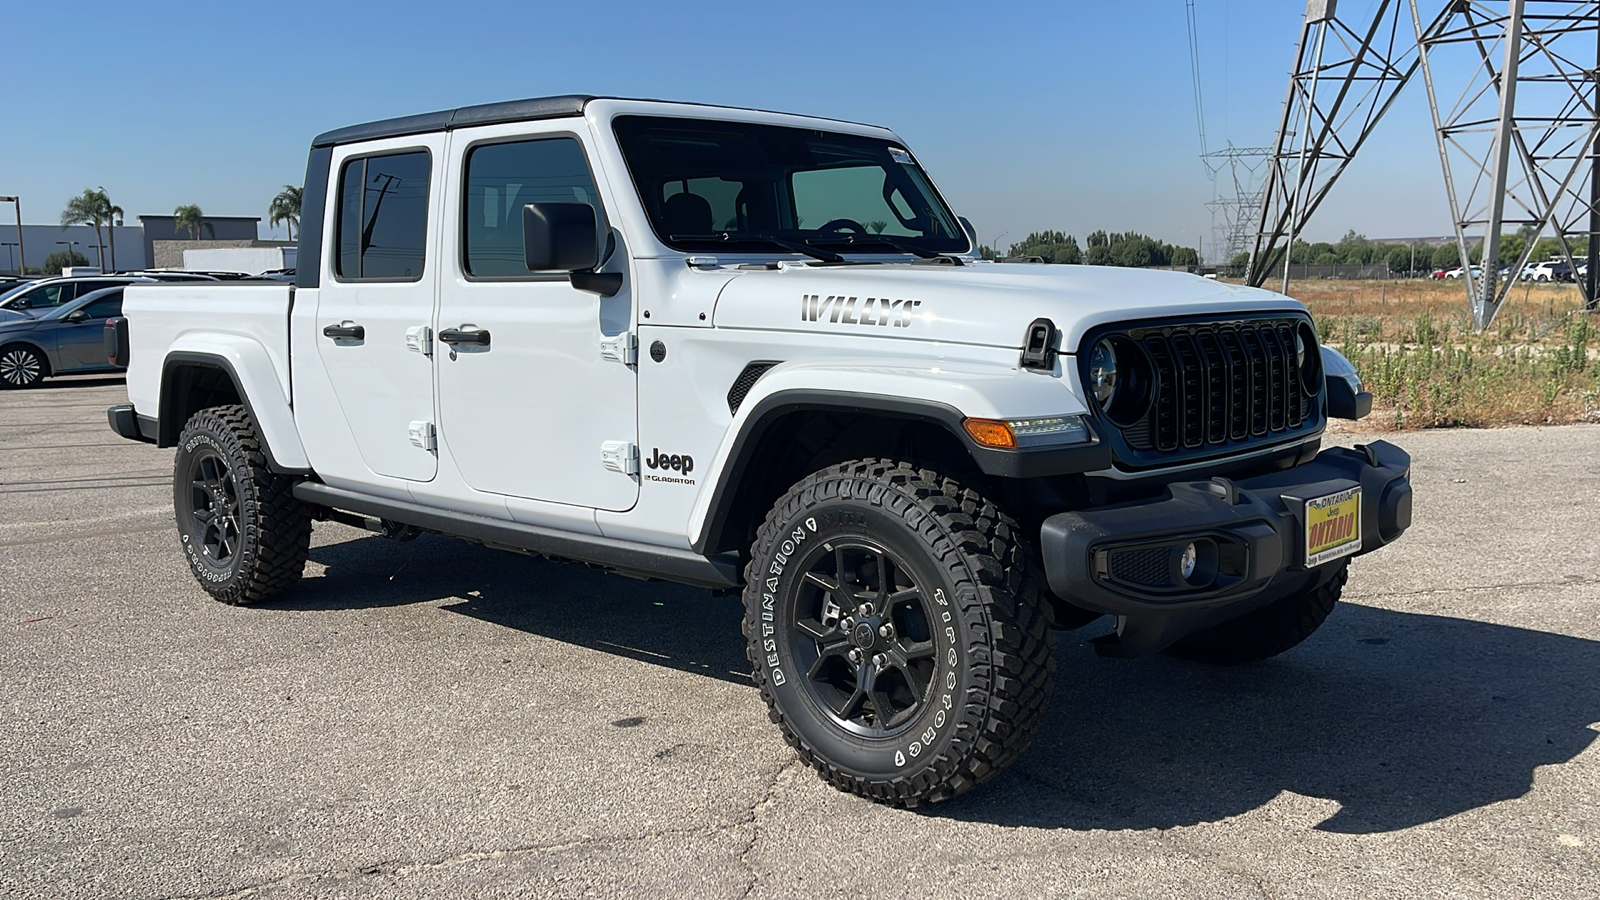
[1146,567]
[747,379]
[1219,384]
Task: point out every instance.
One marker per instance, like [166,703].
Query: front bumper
[1125,560]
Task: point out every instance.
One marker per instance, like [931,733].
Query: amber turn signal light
[991,433]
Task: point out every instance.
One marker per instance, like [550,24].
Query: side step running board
[627,557]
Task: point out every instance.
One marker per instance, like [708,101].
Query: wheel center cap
[863,635]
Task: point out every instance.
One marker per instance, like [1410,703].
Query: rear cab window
[382,225]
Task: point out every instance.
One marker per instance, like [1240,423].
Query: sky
[1068,115]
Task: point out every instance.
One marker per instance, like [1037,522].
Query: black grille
[746,380]
[1147,567]
[1216,385]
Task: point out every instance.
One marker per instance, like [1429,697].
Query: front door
[82,345]
[373,311]
[526,412]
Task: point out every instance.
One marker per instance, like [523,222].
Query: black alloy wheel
[21,367]
[213,509]
[863,632]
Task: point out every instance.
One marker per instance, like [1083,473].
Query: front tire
[895,631]
[22,366]
[244,534]
[1272,629]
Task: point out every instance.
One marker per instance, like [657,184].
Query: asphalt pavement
[433,719]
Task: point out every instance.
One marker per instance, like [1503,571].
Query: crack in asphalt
[394,868]
[752,817]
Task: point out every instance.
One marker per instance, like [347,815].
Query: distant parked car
[39,297]
[1440,273]
[1553,270]
[66,340]
[10,284]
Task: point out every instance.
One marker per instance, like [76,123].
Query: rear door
[530,412]
[373,313]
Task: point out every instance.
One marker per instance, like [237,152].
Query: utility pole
[22,258]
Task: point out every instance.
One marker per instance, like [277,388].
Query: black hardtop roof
[467,116]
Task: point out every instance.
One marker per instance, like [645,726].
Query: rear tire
[895,631]
[22,366]
[244,534]
[1272,629]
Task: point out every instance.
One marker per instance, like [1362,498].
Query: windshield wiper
[881,240]
[728,237]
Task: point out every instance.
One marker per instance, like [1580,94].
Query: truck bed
[167,319]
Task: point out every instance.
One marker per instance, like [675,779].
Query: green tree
[61,259]
[1053,246]
[1398,258]
[94,207]
[286,208]
[1445,256]
[189,218]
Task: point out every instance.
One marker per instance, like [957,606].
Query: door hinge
[624,348]
[422,435]
[620,456]
[420,339]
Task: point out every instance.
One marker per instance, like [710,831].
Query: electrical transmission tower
[1241,212]
[1518,143]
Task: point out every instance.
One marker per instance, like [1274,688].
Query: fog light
[1187,563]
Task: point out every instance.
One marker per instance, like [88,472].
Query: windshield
[744,187]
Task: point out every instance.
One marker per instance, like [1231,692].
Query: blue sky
[1070,115]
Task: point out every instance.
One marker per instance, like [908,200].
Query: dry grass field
[1538,364]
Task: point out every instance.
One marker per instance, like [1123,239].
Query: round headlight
[1103,373]
[1308,361]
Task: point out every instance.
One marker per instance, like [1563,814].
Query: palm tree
[188,218]
[286,208]
[94,207]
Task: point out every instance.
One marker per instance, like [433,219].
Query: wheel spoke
[814,628]
[914,650]
[882,598]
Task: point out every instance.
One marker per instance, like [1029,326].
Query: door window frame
[338,215]
[465,155]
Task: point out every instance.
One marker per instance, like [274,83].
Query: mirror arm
[606,284]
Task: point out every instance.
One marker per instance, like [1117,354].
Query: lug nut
[855,654]
[865,610]
[878,659]
[886,631]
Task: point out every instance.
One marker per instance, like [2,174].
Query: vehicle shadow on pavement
[663,624]
[1400,718]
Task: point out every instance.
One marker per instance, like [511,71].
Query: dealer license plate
[1333,526]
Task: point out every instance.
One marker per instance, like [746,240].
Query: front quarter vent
[747,379]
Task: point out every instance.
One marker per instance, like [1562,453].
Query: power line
[1194,75]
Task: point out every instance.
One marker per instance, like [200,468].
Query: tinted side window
[105,307]
[50,295]
[503,178]
[383,216]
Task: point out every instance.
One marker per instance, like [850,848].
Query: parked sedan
[66,340]
[39,297]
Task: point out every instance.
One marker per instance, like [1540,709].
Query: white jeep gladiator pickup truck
[756,351]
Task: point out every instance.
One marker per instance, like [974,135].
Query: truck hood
[988,304]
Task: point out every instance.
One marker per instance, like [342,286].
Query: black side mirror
[559,237]
[77,316]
